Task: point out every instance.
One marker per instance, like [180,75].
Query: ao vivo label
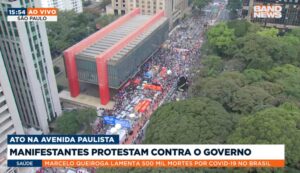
[32,14]
[267,11]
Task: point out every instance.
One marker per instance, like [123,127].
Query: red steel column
[103,80]
[105,56]
[72,73]
[70,53]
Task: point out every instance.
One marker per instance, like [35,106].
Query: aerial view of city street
[154,72]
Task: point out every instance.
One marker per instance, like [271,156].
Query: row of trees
[247,92]
[253,46]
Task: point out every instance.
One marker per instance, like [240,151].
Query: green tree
[254,75]
[213,65]
[105,20]
[272,126]
[256,51]
[220,88]
[234,64]
[184,123]
[290,45]
[67,124]
[220,37]
[287,76]
[272,88]
[268,32]
[265,49]
[250,99]
[283,71]
[241,27]
[291,85]
[294,32]
[75,121]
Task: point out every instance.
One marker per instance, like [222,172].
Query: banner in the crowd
[123,123]
[109,120]
[97,151]
[113,121]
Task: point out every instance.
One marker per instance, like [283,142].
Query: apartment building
[174,9]
[10,122]
[75,5]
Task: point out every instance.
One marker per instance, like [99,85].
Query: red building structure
[103,57]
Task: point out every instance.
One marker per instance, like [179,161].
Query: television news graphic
[267,11]
[91,151]
[32,14]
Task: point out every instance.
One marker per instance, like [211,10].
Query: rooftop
[118,34]
[140,38]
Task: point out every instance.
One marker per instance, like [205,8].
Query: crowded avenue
[164,77]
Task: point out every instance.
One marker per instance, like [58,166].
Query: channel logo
[267,11]
[32,14]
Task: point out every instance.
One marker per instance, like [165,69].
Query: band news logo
[267,11]
[32,14]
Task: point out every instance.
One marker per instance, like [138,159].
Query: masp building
[111,56]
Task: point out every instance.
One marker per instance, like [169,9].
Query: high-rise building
[64,5]
[26,55]
[174,9]
[75,5]
[53,3]
[10,122]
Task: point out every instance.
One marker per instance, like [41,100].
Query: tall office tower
[64,5]
[26,55]
[10,122]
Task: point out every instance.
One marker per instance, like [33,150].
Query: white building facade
[26,55]
[52,3]
[10,122]
[64,5]
[75,5]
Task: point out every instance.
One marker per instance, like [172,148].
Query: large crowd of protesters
[176,58]
[157,82]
